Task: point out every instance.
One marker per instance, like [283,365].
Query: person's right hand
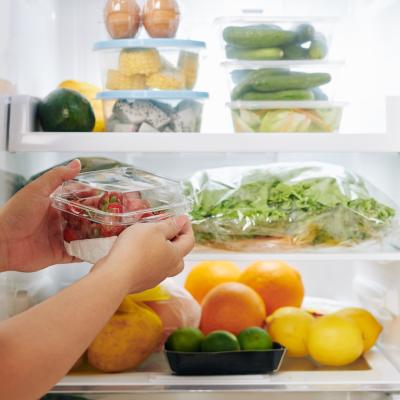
[149,253]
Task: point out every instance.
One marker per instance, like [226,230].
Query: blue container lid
[149,43]
[152,95]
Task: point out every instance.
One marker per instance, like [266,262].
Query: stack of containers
[280,80]
[149,83]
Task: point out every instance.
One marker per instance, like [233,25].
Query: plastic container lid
[152,95]
[258,105]
[149,43]
[245,19]
[243,64]
[143,196]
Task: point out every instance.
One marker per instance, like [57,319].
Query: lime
[220,341]
[185,340]
[255,338]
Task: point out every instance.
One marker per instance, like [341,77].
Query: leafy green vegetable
[311,204]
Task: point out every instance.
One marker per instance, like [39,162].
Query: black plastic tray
[226,363]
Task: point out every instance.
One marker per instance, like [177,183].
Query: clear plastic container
[139,64]
[276,38]
[97,206]
[286,116]
[283,81]
[153,111]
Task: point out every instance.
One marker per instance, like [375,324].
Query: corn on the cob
[139,61]
[166,80]
[118,81]
[188,64]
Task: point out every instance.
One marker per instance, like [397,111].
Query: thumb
[172,226]
[51,180]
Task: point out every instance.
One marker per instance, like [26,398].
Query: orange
[208,274]
[276,282]
[232,307]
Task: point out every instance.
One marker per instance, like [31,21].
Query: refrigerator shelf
[374,373]
[24,137]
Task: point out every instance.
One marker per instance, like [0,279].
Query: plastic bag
[285,206]
[180,311]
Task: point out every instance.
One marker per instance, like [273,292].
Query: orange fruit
[208,274]
[232,307]
[276,282]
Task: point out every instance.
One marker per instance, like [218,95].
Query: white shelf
[375,373]
[23,138]
[200,142]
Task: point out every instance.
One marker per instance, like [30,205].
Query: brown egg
[122,18]
[161,18]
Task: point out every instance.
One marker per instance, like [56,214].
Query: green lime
[220,341]
[185,340]
[255,338]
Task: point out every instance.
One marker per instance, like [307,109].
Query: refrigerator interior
[52,40]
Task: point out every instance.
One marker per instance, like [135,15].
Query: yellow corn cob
[118,81]
[188,64]
[166,80]
[139,61]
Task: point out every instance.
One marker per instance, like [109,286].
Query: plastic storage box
[139,64]
[97,206]
[279,38]
[153,111]
[286,116]
[283,81]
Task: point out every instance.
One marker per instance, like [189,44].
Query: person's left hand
[30,229]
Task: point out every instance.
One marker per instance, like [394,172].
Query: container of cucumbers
[283,80]
[286,116]
[283,38]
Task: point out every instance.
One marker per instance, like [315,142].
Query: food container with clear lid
[149,64]
[153,111]
[97,206]
[276,38]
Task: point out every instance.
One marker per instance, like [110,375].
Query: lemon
[335,340]
[218,341]
[366,322]
[255,338]
[289,326]
[185,340]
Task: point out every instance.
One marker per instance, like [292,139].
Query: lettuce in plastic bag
[295,204]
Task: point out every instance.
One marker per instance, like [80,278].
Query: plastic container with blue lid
[153,111]
[149,64]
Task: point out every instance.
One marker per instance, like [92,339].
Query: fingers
[178,269]
[184,243]
[173,226]
[50,181]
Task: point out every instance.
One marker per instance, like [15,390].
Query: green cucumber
[257,36]
[319,47]
[294,80]
[271,53]
[295,52]
[304,33]
[238,75]
[279,96]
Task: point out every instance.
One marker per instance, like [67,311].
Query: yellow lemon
[335,340]
[366,322]
[290,326]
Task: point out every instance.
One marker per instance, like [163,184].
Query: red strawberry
[70,235]
[110,230]
[115,208]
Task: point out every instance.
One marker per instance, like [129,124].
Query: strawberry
[115,208]
[110,230]
[70,234]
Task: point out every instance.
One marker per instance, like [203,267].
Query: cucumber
[295,52]
[65,110]
[304,33]
[319,47]
[257,36]
[238,75]
[281,95]
[245,85]
[294,80]
[271,53]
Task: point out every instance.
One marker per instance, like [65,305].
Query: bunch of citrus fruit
[193,340]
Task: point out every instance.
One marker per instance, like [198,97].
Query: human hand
[148,253]
[30,229]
